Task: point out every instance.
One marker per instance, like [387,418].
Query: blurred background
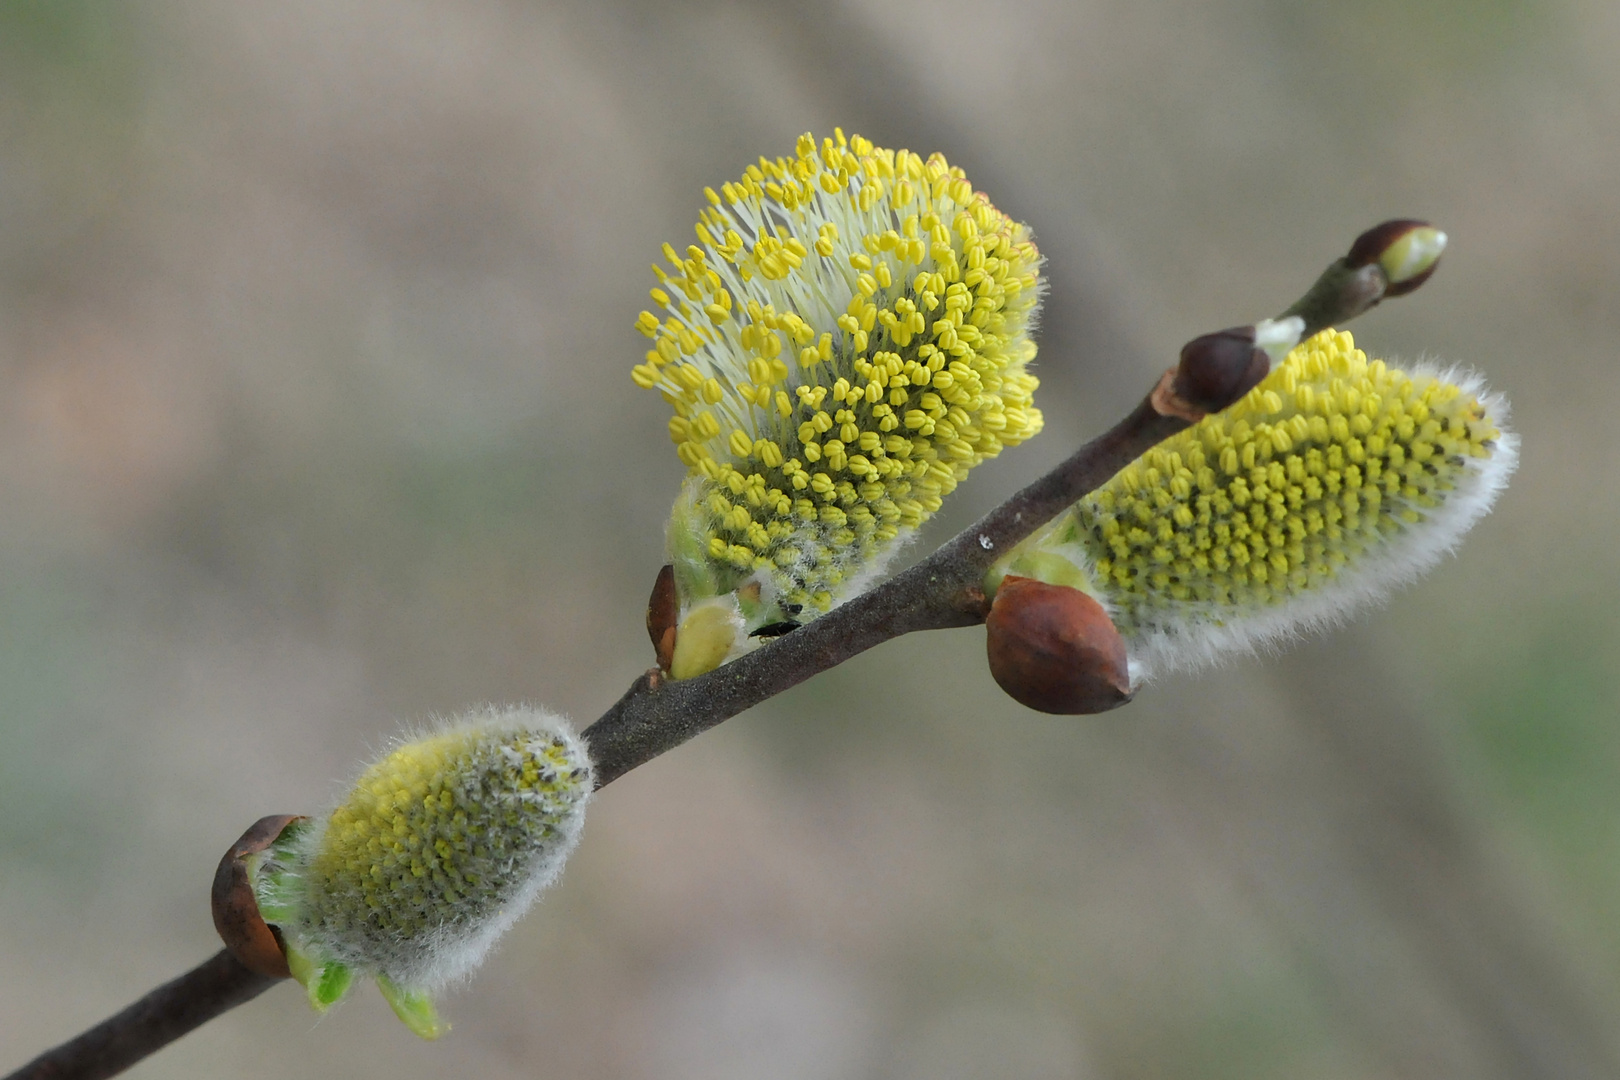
[316,419]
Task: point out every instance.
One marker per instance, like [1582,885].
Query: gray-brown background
[316,418]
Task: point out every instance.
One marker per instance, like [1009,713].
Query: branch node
[972,601]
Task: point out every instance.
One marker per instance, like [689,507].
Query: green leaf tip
[414,1009]
[326,981]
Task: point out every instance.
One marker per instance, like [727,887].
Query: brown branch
[944,590]
[657,715]
[217,985]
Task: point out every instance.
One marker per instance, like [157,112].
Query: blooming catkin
[1332,482]
[845,341]
[434,853]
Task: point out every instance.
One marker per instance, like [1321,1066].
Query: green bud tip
[1405,250]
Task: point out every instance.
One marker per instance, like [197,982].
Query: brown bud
[1054,649]
[255,944]
[1217,369]
[1370,246]
[663,609]
[1405,249]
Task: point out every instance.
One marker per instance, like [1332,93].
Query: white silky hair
[451,952]
[1210,633]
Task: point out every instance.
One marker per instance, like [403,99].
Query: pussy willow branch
[945,589]
[941,591]
[656,715]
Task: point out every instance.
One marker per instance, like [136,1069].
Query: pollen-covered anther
[1054,649]
[874,350]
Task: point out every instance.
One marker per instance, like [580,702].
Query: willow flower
[846,340]
[434,853]
[1332,482]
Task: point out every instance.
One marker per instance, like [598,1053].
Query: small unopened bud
[1054,649]
[1215,370]
[1387,260]
[1406,250]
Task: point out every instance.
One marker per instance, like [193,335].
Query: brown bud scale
[1217,369]
[1055,650]
[663,610]
[254,943]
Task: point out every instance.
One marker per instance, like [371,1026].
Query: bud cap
[1410,260]
[1405,249]
[1218,369]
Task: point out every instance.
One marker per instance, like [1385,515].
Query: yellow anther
[862,402]
[1282,492]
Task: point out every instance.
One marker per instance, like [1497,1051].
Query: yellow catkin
[439,841]
[1328,460]
[846,341]
[1331,483]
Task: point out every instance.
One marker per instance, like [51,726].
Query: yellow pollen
[838,298]
[1273,497]
[436,836]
